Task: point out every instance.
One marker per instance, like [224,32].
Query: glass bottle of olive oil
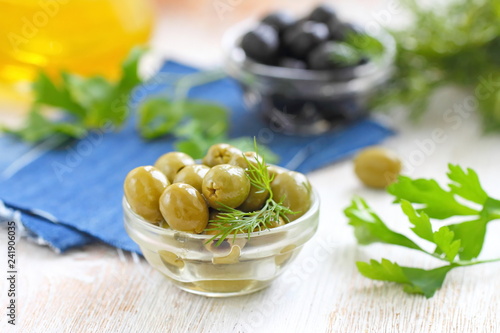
[81,36]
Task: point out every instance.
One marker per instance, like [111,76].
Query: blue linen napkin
[71,195]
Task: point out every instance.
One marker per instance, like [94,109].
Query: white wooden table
[98,288]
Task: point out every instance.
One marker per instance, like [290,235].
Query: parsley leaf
[49,94]
[91,103]
[85,103]
[446,244]
[39,127]
[414,280]
[422,225]
[471,234]
[157,117]
[438,203]
[369,228]
[491,209]
[458,244]
[466,184]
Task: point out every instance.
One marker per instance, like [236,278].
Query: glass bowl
[236,267]
[304,101]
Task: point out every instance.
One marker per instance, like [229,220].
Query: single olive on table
[222,228]
[377,167]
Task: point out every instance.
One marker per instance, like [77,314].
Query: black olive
[302,37]
[279,20]
[323,13]
[261,43]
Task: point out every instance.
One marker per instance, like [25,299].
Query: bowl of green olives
[224,226]
[311,74]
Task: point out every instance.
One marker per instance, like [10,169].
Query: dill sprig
[454,43]
[232,221]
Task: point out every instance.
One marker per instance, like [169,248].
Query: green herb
[457,244]
[94,103]
[456,43]
[346,55]
[233,221]
[86,103]
[358,46]
[365,45]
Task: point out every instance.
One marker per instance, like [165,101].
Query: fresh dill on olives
[231,221]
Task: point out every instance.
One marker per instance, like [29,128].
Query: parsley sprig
[232,221]
[457,244]
[86,103]
[90,104]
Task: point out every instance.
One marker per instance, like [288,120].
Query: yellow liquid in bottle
[80,36]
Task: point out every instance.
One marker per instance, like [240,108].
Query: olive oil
[87,37]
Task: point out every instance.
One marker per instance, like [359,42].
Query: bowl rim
[264,232]
[236,57]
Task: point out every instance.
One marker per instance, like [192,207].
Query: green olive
[184,208]
[275,170]
[295,191]
[143,187]
[173,162]
[171,260]
[377,167]
[223,153]
[252,157]
[275,224]
[192,175]
[225,185]
[270,225]
[255,200]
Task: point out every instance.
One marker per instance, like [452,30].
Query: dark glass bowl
[303,101]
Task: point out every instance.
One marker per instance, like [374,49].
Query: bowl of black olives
[308,75]
[227,225]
